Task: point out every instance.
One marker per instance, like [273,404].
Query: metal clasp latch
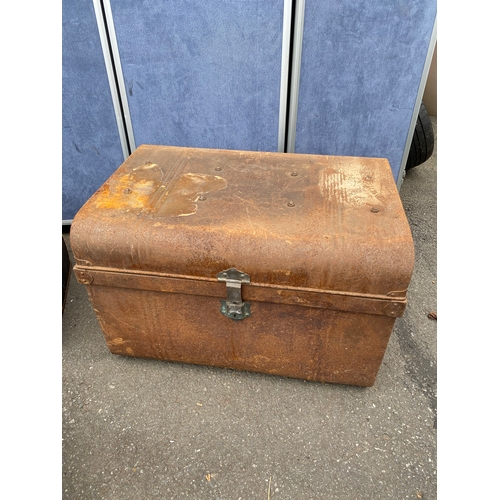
[233,307]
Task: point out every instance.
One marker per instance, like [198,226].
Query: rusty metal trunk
[287,264]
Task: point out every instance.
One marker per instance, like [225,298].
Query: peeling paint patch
[336,187]
[330,184]
[152,189]
[184,195]
[117,341]
[147,166]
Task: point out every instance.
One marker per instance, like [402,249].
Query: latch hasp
[234,307]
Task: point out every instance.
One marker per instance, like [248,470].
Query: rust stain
[127,192]
[183,196]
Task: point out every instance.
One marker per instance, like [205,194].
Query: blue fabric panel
[202,74]
[91,149]
[362,63]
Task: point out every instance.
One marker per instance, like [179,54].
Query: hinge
[233,307]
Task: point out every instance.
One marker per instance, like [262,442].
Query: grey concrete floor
[141,429]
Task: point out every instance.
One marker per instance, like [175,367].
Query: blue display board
[202,74]
[361,68]
[91,148]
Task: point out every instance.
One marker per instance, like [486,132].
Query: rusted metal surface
[253,292]
[324,240]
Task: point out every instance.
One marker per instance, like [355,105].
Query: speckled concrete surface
[141,429]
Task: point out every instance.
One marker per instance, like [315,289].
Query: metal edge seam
[142,274]
[296,297]
[418,101]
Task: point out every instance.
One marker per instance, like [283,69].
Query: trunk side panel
[292,341]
